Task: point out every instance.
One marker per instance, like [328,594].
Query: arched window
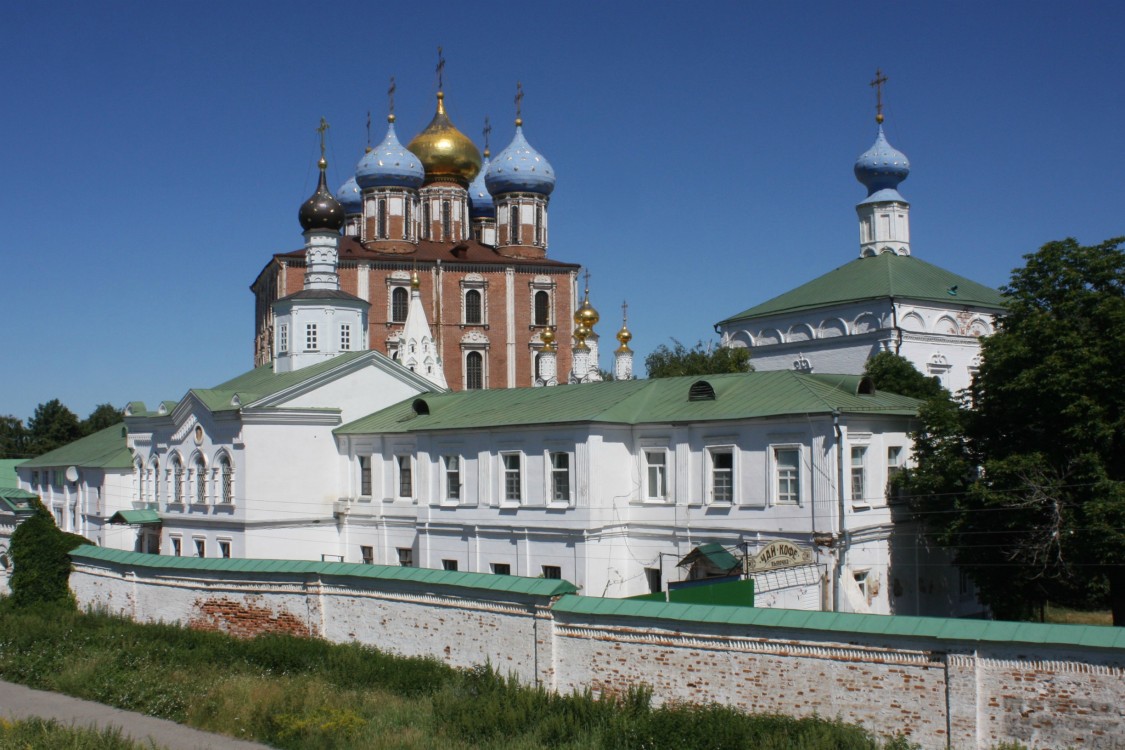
[514,225]
[542,308]
[177,480]
[399,304]
[446,221]
[408,205]
[382,219]
[538,225]
[473,307]
[156,481]
[226,475]
[474,371]
[139,480]
[200,481]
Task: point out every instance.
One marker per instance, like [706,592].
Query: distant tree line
[51,426]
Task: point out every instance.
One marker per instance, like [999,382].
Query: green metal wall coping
[842,625]
[544,587]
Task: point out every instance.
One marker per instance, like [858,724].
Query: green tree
[40,560]
[103,415]
[699,360]
[1027,485]
[897,374]
[52,425]
[13,438]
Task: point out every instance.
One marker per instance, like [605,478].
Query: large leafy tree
[1027,484]
[52,425]
[13,438]
[103,415]
[701,359]
[897,374]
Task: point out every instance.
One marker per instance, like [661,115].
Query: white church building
[885,300]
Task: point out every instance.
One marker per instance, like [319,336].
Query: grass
[304,693]
[1065,616]
[48,734]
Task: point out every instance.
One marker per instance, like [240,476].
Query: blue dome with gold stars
[520,169]
[481,204]
[390,164]
[882,167]
[350,197]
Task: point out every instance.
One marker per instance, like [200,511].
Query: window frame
[541,320]
[857,476]
[481,372]
[646,458]
[713,474]
[399,303]
[225,549]
[553,472]
[404,476]
[226,479]
[199,470]
[200,544]
[778,482]
[366,554]
[312,337]
[511,478]
[345,337]
[451,471]
[364,475]
[552,572]
[405,557]
[477,294]
[177,545]
[500,569]
[283,338]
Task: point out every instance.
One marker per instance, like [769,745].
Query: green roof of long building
[879,277]
[104,449]
[664,400]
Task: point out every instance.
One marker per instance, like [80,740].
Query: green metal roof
[135,517]
[714,553]
[17,501]
[879,277]
[664,400]
[105,449]
[512,584]
[8,475]
[840,624]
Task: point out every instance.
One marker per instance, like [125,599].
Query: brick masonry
[939,692]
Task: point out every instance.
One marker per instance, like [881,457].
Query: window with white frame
[514,224]
[224,548]
[200,481]
[406,557]
[452,466]
[283,338]
[859,474]
[560,477]
[365,476]
[310,337]
[894,466]
[513,481]
[860,577]
[156,481]
[345,337]
[542,305]
[722,474]
[787,464]
[474,307]
[474,370]
[200,548]
[656,474]
[405,476]
[226,479]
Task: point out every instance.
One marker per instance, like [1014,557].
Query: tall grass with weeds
[302,693]
[48,734]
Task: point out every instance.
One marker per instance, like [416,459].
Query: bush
[40,560]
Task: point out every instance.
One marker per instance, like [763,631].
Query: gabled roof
[135,517]
[665,400]
[880,277]
[715,553]
[8,476]
[105,449]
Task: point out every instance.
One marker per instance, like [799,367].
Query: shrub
[40,559]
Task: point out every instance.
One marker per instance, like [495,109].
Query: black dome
[322,210]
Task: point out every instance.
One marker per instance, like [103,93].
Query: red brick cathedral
[476,235]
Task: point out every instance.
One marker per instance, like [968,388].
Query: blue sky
[155,154]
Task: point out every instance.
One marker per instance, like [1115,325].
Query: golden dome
[548,339]
[580,334]
[446,153]
[624,336]
[586,315]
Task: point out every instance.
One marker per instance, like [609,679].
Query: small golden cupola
[447,154]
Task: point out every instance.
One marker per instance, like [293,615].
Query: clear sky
[155,153]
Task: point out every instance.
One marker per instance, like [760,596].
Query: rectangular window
[224,549]
[365,476]
[722,475]
[345,337]
[200,548]
[652,575]
[861,582]
[310,337]
[449,565]
[177,546]
[657,487]
[538,225]
[894,466]
[788,465]
[406,557]
[859,475]
[512,481]
[452,477]
[367,555]
[405,477]
[283,337]
[34,479]
[502,569]
[560,477]
[552,571]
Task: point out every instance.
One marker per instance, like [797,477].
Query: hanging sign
[779,554]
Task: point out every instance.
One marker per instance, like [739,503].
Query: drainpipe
[894,326]
[841,539]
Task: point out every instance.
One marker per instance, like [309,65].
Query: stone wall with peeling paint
[941,692]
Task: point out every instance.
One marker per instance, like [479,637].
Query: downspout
[842,540]
[894,327]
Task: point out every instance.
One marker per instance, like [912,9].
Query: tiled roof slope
[664,400]
[466,251]
[879,277]
[105,449]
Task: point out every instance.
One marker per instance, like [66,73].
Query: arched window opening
[200,481]
[514,225]
[177,481]
[399,300]
[226,473]
[382,232]
[474,371]
[473,307]
[542,308]
[156,481]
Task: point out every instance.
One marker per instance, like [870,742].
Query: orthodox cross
[877,84]
[624,312]
[391,92]
[368,130]
[487,132]
[322,130]
[440,69]
[519,100]
[587,282]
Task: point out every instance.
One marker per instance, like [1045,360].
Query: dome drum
[390,216]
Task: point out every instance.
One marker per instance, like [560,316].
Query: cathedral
[468,238]
[885,300]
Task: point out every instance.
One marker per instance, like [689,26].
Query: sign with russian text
[779,554]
